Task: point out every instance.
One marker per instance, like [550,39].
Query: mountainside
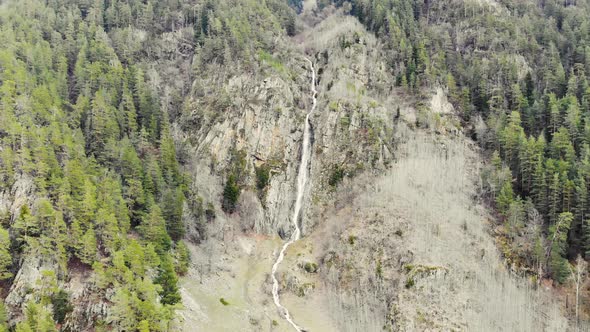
[152,154]
[91,193]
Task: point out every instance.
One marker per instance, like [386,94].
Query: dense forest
[82,128]
[518,72]
[85,136]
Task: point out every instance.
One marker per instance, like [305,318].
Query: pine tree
[515,218]
[101,126]
[61,306]
[153,229]
[573,121]
[529,88]
[169,282]
[168,152]
[86,208]
[25,226]
[5,257]
[555,198]
[182,258]
[539,191]
[526,157]
[128,112]
[586,237]
[505,197]
[88,250]
[144,326]
[518,102]
[561,146]
[135,258]
[107,227]
[572,84]
[554,114]
[581,208]
[512,137]
[173,202]
[75,238]
[37,319]
[558,244]
[3,318]
[231,193]
[567,193]
[122,313]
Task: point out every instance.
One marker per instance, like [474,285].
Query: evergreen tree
[540,188]
[168,280]
[512,138]
[231,194]
[5,257]
[61,306]
[168,152]
[581,209]
[88,250]
[555,198]
[37,319]
[182,258]
[554,114]
[3,318]
[505,197]
[558,264]
[173,202]
[153,228]
[101,126]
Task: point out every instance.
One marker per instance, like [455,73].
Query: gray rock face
[12,200]
[23,286]
[89,306]
[263,117]
[262,121]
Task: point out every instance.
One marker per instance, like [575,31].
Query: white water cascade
[302,177]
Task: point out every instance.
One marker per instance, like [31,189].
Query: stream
[302,177]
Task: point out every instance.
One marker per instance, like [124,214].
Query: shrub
[336,176]
[61,306]
[262,177]
[231,194]
[210,212]
[310,267]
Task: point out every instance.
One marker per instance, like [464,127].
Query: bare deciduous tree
[578,275]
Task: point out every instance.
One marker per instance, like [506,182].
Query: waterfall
[302,177]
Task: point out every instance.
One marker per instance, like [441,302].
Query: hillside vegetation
[136,132]
[517,71]
[89,176]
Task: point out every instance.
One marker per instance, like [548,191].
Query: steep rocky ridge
[263,116]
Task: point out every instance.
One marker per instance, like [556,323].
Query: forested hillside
[518,72]
[86,149]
